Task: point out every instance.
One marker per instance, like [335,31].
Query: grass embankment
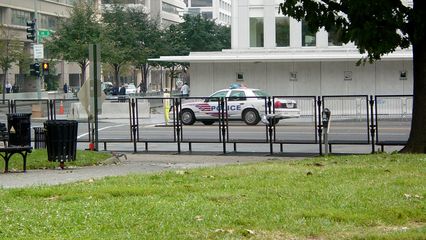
[37,159]
[346,197]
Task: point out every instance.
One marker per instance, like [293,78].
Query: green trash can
[19,129]
[61,140]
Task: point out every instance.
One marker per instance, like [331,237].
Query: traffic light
[35,69]
[31,30]
[45,68]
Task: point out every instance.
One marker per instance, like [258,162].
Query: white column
[295,33]
[269,24]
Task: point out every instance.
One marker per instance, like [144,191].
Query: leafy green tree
[11,51]
[202,34]
[376,27]
[145,43]
[71,41]
[195,34]
[174,44]
[117,38]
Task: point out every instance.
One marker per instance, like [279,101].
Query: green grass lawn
[37,159]
[343,197]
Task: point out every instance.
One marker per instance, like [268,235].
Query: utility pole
[38,79]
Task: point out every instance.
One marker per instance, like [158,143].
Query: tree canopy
[71,41]
[376,27]
[195,34]
[11,51]
[129,36]
[200,34]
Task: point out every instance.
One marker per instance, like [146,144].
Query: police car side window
[237,96]
[215,97]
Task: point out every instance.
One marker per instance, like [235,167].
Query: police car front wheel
[251,117]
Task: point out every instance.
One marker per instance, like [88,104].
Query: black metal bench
[7,152]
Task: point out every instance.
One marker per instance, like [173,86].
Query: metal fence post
[319,103]
[134,125]
[372,126]
[51,113]
[222,113]
[271,122]
[179,122]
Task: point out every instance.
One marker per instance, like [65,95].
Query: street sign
[43,33]
[38,51]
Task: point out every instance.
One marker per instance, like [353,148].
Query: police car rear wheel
[187,117]
[251,117]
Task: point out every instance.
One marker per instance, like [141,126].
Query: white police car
[245,104]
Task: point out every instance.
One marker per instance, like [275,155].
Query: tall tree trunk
[145,68]
[417,139]
[83,66]
[117,74]
[172,77]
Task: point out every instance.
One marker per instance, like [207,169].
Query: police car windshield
[260,93]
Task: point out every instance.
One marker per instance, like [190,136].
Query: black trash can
[39,138]
[19,129]
[61,140]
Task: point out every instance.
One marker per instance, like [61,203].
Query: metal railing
[368,114]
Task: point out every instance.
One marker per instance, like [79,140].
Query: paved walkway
[135,163]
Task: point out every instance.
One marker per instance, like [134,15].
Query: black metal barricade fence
[348,112]
[370,116]
[392,112]
[288,131]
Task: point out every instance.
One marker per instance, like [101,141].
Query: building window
[334,37]
[123,2]
[201,3]
[256,32]
[20,17]
[282,31]
[308,36]
[48,22]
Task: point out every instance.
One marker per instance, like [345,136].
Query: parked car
[246,104]
[130,89]
[107,87]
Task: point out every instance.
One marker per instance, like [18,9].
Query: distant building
[170,11]
[279,54]
[219,10]
[167,11]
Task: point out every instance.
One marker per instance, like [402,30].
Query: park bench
[6,152]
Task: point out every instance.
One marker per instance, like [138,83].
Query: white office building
[279,54]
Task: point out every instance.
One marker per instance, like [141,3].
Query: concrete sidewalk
[134,164]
